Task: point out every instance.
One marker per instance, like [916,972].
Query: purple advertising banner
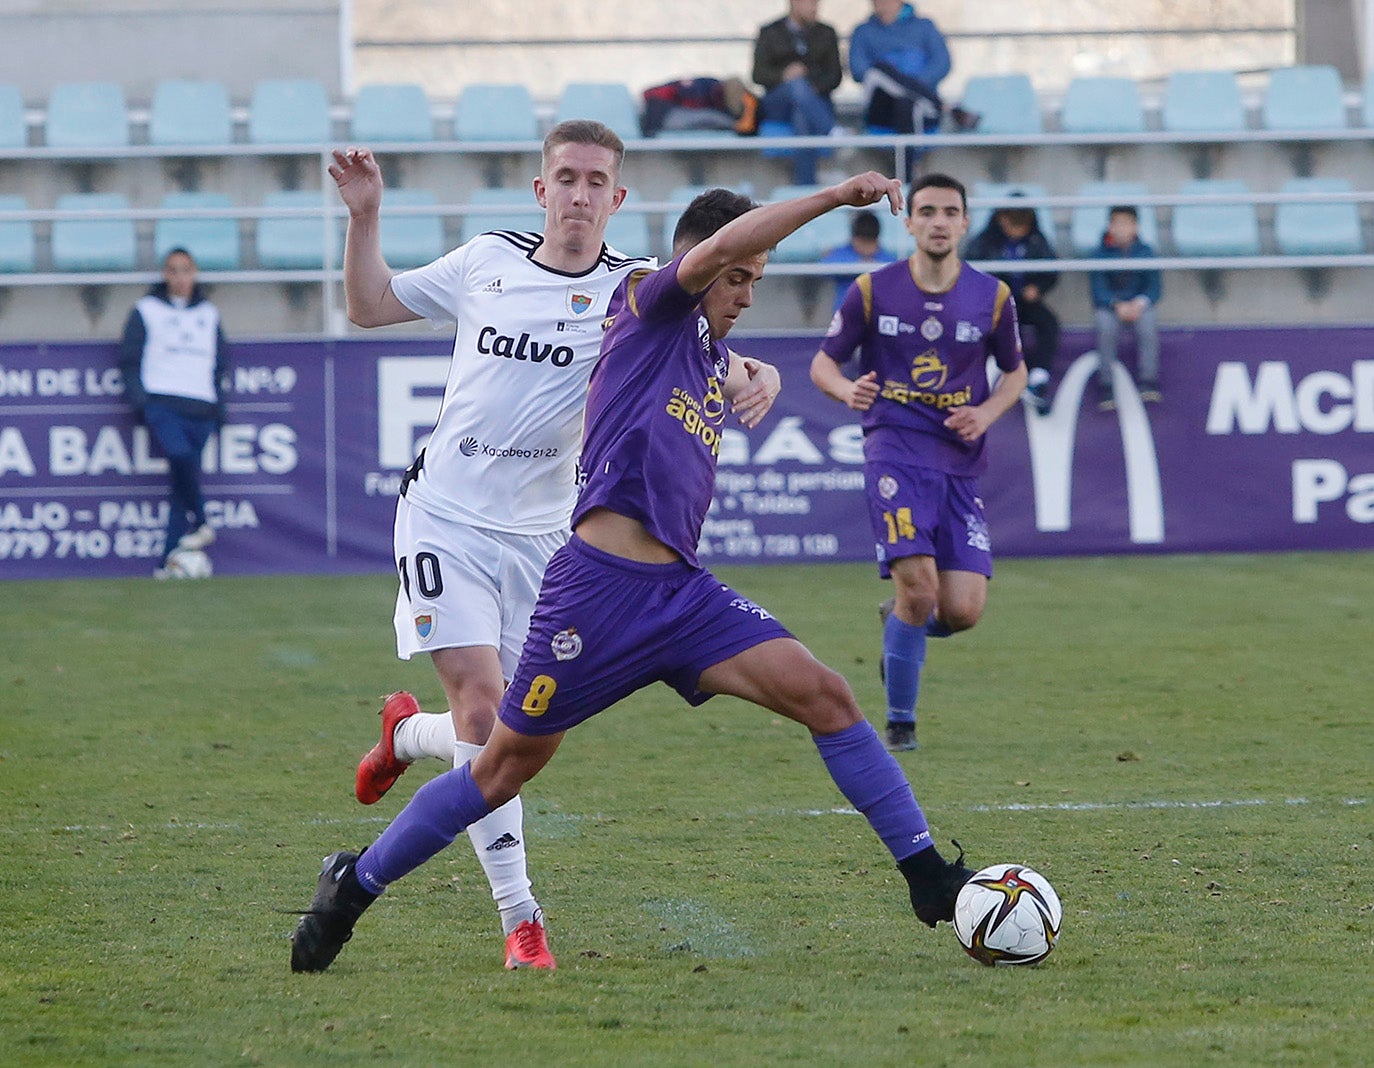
[1264,441]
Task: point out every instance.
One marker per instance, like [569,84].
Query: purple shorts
[605,627]
[919,511]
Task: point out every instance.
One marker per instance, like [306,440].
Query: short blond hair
[584,132]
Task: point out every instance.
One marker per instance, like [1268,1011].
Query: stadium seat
[14,131]
[1102,105]
[212,242]
[1367,100]
[979,217]
[288,112]
[87,115]
[1304,98]
[1318,229]
[1088,222]
[1216,229]
[628,230]
[1005,104]
[892,232]
[398,112]
[1200,101]
[16,239]
[494,112]
[522,212]
[93,244]
[190,113]
[294,243]
[411,240]
[607,102]
[817,237]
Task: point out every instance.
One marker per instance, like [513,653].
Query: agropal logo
[1052,445]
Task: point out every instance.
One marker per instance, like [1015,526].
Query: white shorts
[463,586]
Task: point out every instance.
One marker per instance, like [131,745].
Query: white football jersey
[503,453]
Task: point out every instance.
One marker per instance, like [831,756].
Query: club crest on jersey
[579,303]
[424,625]
[932,328]
[887,487]
[566,644]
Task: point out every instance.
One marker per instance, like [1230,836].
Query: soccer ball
[1007,914]
[189,564]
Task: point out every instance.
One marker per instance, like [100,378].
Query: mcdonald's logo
[1052,439]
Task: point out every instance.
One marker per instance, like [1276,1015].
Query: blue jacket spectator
[1112,287]
[863,247]
[897,36]
[1124,298]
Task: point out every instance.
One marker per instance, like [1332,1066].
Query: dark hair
[935,180]
[707,214]
[178,251]
[865,226]
[584,132]
[1124,209]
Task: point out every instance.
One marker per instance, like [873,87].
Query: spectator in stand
[900,59]
[797,62]
[1126,297]
[863,247]
[1014,234]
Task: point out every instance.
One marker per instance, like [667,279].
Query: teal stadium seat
[292,111]
[980,217]
[1216,229]
[1102,105]
[628,229]
[1318,229]
[93,244]
[213,242]
[1304,98]
[1202,101]
[293,243]
[87,115]
[16,239]
[495,112]
[190,113]
[13,129]
[1367,100]
[817,237]
[606,102]
[411,240]
[1088,222]
[399,112]
[522,212]
[1005,104]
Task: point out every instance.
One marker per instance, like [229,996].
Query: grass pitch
[1181,744]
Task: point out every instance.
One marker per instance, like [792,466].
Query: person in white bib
[173,359]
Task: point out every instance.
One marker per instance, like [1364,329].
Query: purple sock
[436,815]
[872,780]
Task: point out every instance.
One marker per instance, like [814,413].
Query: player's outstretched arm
[757,231]
[367,278]
[751,387]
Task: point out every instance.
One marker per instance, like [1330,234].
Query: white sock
[425,734]
[1038,376]
[498,840]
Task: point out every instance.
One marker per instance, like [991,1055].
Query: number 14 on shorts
[899,526]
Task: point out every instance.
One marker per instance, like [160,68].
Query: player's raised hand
[869,188]
[359,179]
[863,393]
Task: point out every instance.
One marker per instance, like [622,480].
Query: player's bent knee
[830,705]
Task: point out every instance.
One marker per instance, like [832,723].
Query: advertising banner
[1264,441]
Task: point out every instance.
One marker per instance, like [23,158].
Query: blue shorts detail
[919,511]
[605,627]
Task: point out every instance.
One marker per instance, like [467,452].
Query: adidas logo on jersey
[492,287]
[506,841]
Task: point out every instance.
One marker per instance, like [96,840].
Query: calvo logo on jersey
[579,303]
[492,343]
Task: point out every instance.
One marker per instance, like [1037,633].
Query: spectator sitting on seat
[1014,234]
[797,61]
[900,59]
[1126,297]
[863,247]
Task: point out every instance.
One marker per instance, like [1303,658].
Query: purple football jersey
[655,411]
[930,351]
